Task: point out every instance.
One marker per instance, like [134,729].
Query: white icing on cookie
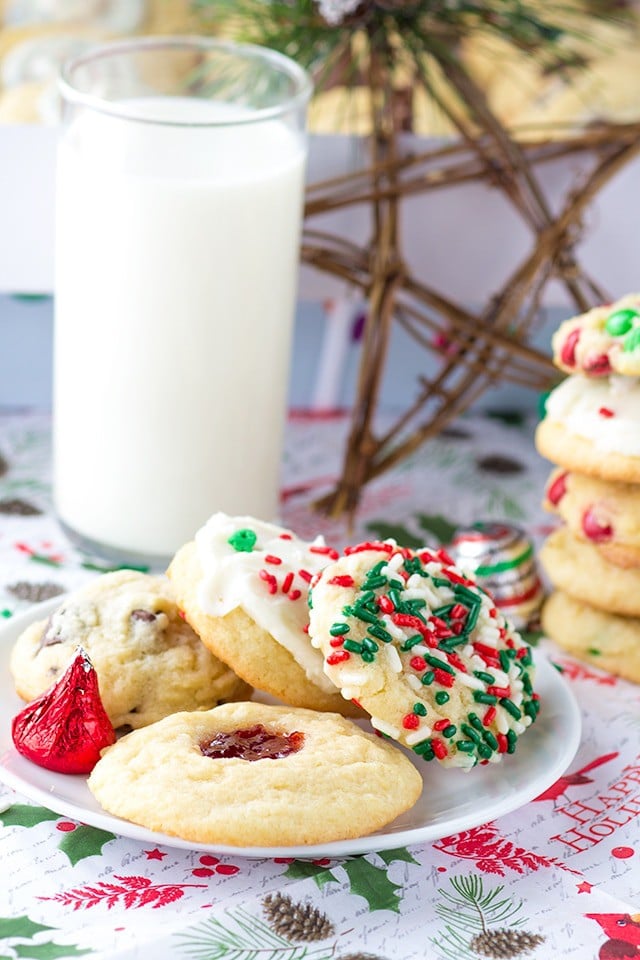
[248,576]
[605,411]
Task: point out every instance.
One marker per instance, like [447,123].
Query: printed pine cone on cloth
[296,922]
[591,431]
[505,943]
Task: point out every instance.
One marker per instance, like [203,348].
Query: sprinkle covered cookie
[601,341]
[247,774]
[243,585]
[149,662]
[425,651]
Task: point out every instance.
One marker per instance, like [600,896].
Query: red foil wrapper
[66,727]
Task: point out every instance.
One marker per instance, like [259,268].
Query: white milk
[177,254]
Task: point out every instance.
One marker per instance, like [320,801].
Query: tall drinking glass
[179,208]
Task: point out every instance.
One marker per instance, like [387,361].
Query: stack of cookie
[591,431]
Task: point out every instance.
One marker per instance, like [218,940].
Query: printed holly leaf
[301,869]
[373,884]
[84,842]
[49,951]
[396,532]
[389,856]
[21,927]
[441,528]
[24,815]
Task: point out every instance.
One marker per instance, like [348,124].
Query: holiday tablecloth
[558,878]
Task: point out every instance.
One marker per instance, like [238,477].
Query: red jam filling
[253,743]
[557,489]
[598,366]
[594,529]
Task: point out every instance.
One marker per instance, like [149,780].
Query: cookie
[601,341]
[149,661]
[579,569]
[243,585]
[603,639]
[248,774]
[592,426]
[425,651]
[601,512]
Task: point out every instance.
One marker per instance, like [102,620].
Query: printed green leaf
[84,842]
[49,951]
[24,815]
[441,528]
[373,884]
[390,856]
[20,927]
[396,532]
[301,869]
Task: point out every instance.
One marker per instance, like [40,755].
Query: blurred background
[465,239]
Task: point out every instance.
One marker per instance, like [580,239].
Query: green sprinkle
[365,598]
[441,696]
[353,646]
[470,733]
[505,661]
[450,643]
[472,619]
[363,614]
[464,593]
[414,565]
[450,731]
[338,629]
[415,604]
[442,582]
[467,746]
[377,631]
[485,677]
[490,739]
[438,663]
[419,709]
[512,739]
[443,610]
[396,599]
[481,697]
[375,570]
[243,540]
[424,750]
[5,614]
[531,708]
[476,721]
[620,322]
[526,684]
[396,584]
[370,645]
[427,679]
[368,656]
[594,653]
[410,641]
[484,751]
[511,708]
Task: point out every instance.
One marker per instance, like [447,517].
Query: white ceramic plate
[451,801]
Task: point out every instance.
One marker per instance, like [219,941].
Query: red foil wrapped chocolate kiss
[66,727]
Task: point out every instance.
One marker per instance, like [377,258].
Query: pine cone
[16,507]
[296,922]
[503,944]
[35,592]
[360,956]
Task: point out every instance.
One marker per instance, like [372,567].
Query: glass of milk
[179,209]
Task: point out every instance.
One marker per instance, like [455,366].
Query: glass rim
[303,86]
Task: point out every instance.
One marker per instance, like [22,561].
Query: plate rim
[385,839]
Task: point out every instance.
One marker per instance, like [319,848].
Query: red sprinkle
[369,545]
[286,583]
[269,579]
[439,748]
[385,604]
[441,724]
[305,575]
[286,536]
[606,412]
[444,679]
[489,716]
[445,558]
[456,662]
[457,578]
[557,489]
[410,721]
[418,663]
[342,581]
[271,558]
[503,743]
[499,691]
[568,351]
[426,556]
[458,611]
[294,595]
[493,613]
[325,552]
[338,657]
[336,641]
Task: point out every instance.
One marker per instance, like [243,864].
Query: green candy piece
[243,540]
[632,340]
[620,322]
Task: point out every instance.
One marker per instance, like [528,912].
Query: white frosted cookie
[604,340]
[247,774]
[425,651]
[149,662]
[591,426]
[243,585]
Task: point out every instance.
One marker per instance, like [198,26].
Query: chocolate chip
[18,508]
[49,636]
[145,615]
